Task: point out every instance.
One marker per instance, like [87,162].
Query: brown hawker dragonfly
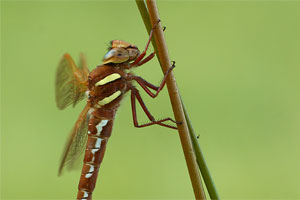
[104,87]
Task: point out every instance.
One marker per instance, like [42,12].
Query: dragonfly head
[121,52]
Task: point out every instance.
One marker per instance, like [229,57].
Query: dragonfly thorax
[106,86]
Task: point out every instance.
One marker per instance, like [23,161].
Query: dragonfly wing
[77,140]
[83,64]
[71,82]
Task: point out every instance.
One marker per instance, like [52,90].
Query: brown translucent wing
[71,81]
[77,140]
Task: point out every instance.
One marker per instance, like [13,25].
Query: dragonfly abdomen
[99,131]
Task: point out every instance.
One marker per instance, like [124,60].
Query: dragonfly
[104,87]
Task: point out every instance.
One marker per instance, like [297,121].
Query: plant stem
[199,155]
[212,191]
[185,139]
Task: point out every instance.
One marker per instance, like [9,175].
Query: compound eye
[116,55]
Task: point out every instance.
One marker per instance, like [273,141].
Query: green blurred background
[237,70]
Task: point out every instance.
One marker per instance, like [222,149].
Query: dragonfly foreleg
[142,55]
[147,59]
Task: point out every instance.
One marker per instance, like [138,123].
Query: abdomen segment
[99,132]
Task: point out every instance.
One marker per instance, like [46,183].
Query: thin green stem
[211,188]
[163,56]
[212,191]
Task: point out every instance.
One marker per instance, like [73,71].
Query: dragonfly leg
[142,55]
[147,59]
[136,95]
[144,84]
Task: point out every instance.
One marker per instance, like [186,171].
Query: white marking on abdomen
[90,172]
[89,175]
[93,152]
[92,168]
[98,143]
[109,78]
[109,99]
[100,126]
[86,194]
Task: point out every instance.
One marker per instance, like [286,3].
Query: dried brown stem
[186,143]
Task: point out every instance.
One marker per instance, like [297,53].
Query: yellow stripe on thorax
[109,99]
[108,79]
